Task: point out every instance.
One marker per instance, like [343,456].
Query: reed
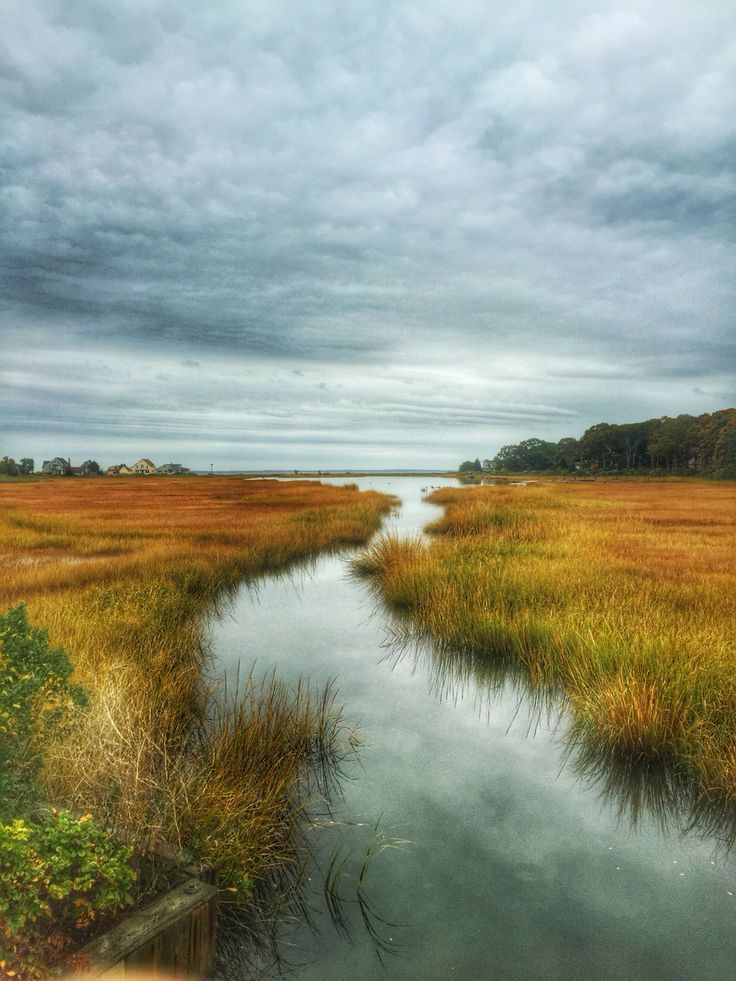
[122,572]
[621,595]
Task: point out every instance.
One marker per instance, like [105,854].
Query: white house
[58,466]
[143,466]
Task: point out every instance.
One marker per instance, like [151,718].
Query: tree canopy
[704,444]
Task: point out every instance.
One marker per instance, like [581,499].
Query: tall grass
[622,596]
[122,573]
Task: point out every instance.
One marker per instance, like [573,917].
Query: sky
[360,234]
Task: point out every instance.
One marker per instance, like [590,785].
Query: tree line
[10,468]
[26,466]
[704,444]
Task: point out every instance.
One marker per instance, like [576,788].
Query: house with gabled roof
[144,466]
[58,466]
[170,468]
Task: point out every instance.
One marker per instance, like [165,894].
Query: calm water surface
[525,860]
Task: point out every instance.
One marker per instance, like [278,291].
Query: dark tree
[508,458]
[602,446]
[672,444]
[725,452]
[567,453]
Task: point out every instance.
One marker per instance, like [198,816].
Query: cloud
[519,195]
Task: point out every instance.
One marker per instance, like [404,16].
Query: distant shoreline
[328,473]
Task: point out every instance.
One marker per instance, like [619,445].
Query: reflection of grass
[121,573]
[623,595]
[635,786]
[340,871]
[652,788]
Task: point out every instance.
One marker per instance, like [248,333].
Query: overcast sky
[265,234]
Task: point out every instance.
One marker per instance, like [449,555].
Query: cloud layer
[321,235]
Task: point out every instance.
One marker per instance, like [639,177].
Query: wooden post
[176,934]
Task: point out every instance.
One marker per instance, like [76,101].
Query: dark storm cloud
[466,225]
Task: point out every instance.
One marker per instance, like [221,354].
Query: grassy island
[621,595]
[121,573]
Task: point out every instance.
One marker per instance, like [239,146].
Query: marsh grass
[622,596]
[122,573]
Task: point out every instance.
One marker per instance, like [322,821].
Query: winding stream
[527,860]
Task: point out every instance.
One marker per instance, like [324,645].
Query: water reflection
[454,676]
[329,862]
[640,789]
[637,790]
[335,875]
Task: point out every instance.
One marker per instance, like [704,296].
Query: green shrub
[36,700]
[58,875]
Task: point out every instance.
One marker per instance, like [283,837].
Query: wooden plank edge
[140,928]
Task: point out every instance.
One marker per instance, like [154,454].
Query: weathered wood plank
[202,938]
[160,934]
[114,973]
[147,955]
[173,952]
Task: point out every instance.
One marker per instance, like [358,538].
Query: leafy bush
[57,876]
[36,699]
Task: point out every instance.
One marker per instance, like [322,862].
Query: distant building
[58,466]
[171,468]
[143,466]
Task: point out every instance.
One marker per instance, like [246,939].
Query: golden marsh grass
[622,595]
[122,572]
